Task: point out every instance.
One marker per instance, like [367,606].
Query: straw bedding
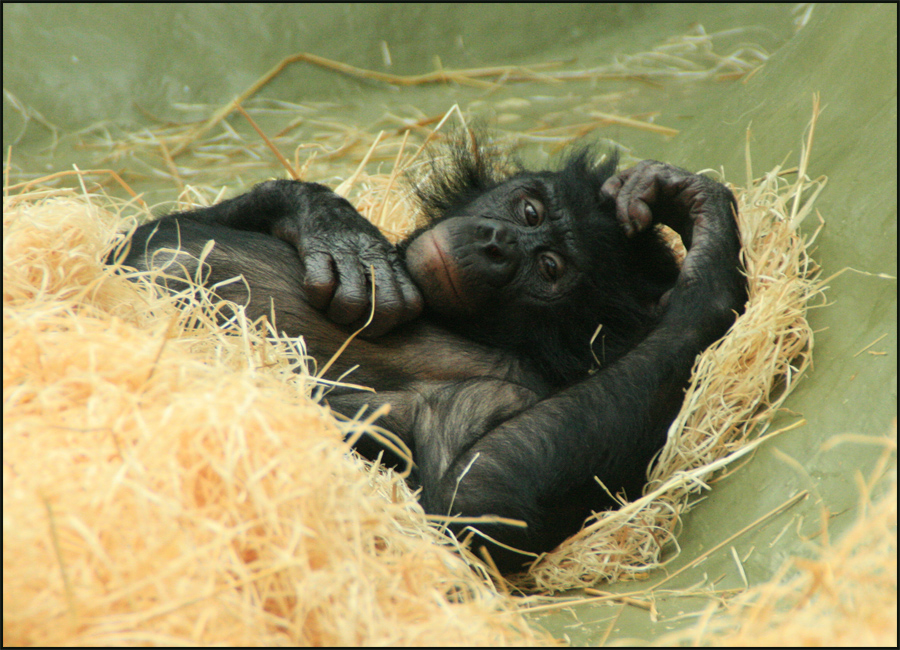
[167,480]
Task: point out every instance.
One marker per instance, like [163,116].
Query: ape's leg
[437,420]
[259,272]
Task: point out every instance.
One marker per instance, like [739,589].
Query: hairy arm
[540,465]
[341,253]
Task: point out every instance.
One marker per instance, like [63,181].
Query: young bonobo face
[536,262]
[510,249]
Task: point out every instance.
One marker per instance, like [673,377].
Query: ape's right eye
[532,211]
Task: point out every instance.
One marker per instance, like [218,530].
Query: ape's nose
[495,240]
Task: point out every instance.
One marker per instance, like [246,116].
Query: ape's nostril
[493,252]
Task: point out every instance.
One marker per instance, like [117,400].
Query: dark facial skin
[505,243]
[483,320]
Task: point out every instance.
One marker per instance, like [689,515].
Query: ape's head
[535,261]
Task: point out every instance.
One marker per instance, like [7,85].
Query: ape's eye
[551,266]
[532,212]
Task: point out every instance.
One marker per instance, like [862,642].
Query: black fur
[483,319]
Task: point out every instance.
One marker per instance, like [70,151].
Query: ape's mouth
[445,266]
[433,271]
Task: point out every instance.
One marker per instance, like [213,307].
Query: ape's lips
[430,268]
[444,265]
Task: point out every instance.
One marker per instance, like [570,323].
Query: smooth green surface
[79,65]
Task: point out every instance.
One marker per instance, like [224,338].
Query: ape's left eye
[532,212]
[551,266]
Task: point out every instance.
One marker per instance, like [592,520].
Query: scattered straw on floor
[845,595]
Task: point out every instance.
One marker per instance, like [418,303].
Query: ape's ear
[459,169]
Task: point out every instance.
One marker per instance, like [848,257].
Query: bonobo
[533,339]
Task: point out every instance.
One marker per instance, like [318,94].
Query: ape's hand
[342,254]
[710,289]
[654,192]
